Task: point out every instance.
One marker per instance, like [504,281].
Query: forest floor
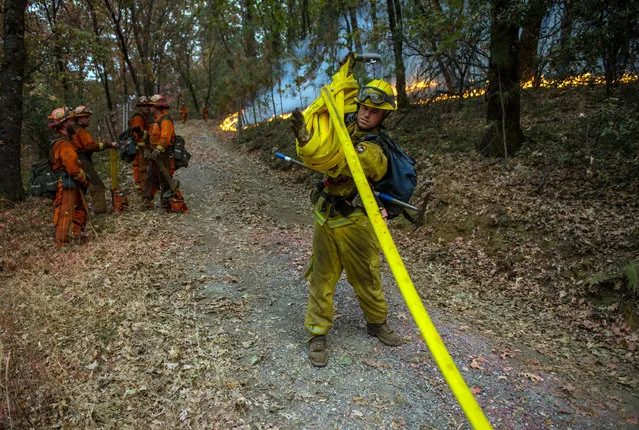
[196,320]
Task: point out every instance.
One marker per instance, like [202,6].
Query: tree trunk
[530,39]
[397,32]
[116,20]
[11,81]
[99,64]
[503,136]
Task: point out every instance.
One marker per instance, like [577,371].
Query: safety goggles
[376,96]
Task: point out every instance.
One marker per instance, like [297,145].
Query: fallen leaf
[475,365]
[533,378]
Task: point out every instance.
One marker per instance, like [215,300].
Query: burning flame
[230,123]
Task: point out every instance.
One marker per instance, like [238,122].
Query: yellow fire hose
[435,344]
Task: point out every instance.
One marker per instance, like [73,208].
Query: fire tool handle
[367,56]
[114,169]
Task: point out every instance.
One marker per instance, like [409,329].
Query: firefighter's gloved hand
[113,145]
[298,125]
[351,64]
[156,153]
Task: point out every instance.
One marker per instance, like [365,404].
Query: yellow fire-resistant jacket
[374,164]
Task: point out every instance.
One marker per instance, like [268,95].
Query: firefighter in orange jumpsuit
[139,126]
[161,137]
[69,215]
[85,146]
[184,112]
[205,114]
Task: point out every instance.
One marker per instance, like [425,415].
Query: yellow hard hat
[377,94]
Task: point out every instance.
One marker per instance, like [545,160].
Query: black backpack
[180,154]
[43,181]
[128,147]
[400,178]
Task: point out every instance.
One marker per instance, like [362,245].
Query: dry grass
[103,334]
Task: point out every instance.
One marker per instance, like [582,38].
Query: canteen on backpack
[180,154]
[43,181]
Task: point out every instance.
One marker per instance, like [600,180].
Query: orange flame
[230,123]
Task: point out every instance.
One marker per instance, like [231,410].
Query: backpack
[400,178]
[128,147]
[43,181]
[180,154]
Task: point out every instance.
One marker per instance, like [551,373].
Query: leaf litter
[196,320]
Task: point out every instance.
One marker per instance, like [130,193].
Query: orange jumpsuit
[205,114]
[69,216]
[140,164]
[161,133]
[184,111]
[85,147]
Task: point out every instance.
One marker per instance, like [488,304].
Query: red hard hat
[159,101]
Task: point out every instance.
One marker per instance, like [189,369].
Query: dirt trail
[249,229]
[196,321]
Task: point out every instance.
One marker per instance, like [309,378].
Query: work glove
[298,125]
[351,65]
[113,145]
[156,153]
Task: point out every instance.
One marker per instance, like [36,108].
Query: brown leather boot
[317,352]
[384,333]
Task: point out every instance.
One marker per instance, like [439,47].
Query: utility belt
[342,205]
[67,182]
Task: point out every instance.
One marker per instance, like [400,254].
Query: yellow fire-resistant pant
[353,248]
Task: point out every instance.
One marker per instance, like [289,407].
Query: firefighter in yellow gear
[343,239]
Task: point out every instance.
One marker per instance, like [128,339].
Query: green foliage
[624,281]
[604,33]
[614,126]
[450,39]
